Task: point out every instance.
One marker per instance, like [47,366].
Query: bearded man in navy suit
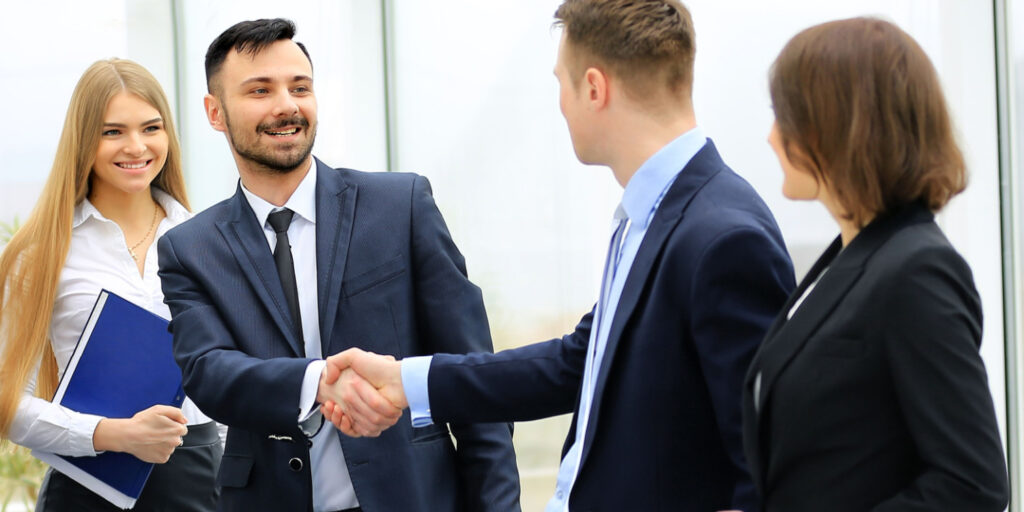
[305,261]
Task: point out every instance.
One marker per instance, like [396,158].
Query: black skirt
[186,483]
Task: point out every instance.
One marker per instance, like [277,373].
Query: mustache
[281,123]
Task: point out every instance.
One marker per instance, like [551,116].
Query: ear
[215,113]
[595,86]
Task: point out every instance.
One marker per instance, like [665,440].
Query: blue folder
[123,364]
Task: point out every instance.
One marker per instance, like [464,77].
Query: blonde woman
[115,187]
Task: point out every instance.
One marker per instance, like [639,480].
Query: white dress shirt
[98,258]
[332,485]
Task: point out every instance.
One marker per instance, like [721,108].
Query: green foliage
[21,474]
[7,230]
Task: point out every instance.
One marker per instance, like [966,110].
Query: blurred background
[462,91]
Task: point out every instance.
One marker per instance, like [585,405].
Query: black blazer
[873,395]
[390,280]
[665,431]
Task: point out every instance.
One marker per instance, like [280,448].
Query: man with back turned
[696,271]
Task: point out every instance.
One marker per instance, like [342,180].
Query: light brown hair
[858,104]
[647,44]
[31,263]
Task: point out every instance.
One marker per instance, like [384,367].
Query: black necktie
[280,220]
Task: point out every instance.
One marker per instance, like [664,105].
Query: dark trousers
[185,483]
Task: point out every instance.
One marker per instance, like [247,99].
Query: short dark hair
[648,44]
[248,37]
[861,102]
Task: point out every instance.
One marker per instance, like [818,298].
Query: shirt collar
[83,211]
[172,209]
[648,185]
[302,201]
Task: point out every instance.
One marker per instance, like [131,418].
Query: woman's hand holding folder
[151,435]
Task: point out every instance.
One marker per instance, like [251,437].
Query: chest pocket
[837,347]
[377,275]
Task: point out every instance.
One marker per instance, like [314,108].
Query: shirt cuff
[70,432]
[309,415]
[86,424]
[414,382]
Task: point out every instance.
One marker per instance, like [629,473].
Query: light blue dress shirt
[640,200]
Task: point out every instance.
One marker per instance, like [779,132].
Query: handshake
[361,392]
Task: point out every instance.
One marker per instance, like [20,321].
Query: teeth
[289,132]
[124,165]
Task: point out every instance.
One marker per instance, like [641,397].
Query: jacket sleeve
[522,384]
[741,281]
[451,318]
[931,337]
[233,388]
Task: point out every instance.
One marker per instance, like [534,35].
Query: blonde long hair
[31,264]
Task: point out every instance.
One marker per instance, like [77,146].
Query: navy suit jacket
[711,273]
[389,280]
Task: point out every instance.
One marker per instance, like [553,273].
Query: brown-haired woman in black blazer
[869,392]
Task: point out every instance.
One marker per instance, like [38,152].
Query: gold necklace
[131,250]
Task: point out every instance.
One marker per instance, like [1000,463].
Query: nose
[135,146]
[285,105]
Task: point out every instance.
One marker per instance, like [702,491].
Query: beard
[276,160]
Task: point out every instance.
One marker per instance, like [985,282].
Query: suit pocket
[839,348]
[234,471]
[364,281]
[430,434]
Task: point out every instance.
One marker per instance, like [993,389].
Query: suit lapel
[780,320]
[701,168]
[252,252]
[787,338]
[335,212]
[779,347]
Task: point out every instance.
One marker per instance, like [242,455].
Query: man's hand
[367,403]
[353,405]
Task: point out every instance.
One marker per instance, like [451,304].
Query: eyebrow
[264,79]
[122,125]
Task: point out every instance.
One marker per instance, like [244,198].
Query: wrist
[400,400]
[109,435]
[321,387]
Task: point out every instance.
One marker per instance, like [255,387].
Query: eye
[112,132]
[152,128]
[260,90]
[301,89]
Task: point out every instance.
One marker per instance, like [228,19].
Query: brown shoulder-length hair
[648,44]
[31,263]
[858,104]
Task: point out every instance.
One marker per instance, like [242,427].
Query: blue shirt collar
[648,185]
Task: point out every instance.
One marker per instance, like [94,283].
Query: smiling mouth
[283,133]
[133,165]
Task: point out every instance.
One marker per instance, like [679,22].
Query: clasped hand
[361,392]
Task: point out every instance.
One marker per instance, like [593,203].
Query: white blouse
[98,258]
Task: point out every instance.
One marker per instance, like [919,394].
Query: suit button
[296,464]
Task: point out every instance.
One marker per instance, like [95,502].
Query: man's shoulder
[202,223]
[381,189]
[727,201]
[381,179]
